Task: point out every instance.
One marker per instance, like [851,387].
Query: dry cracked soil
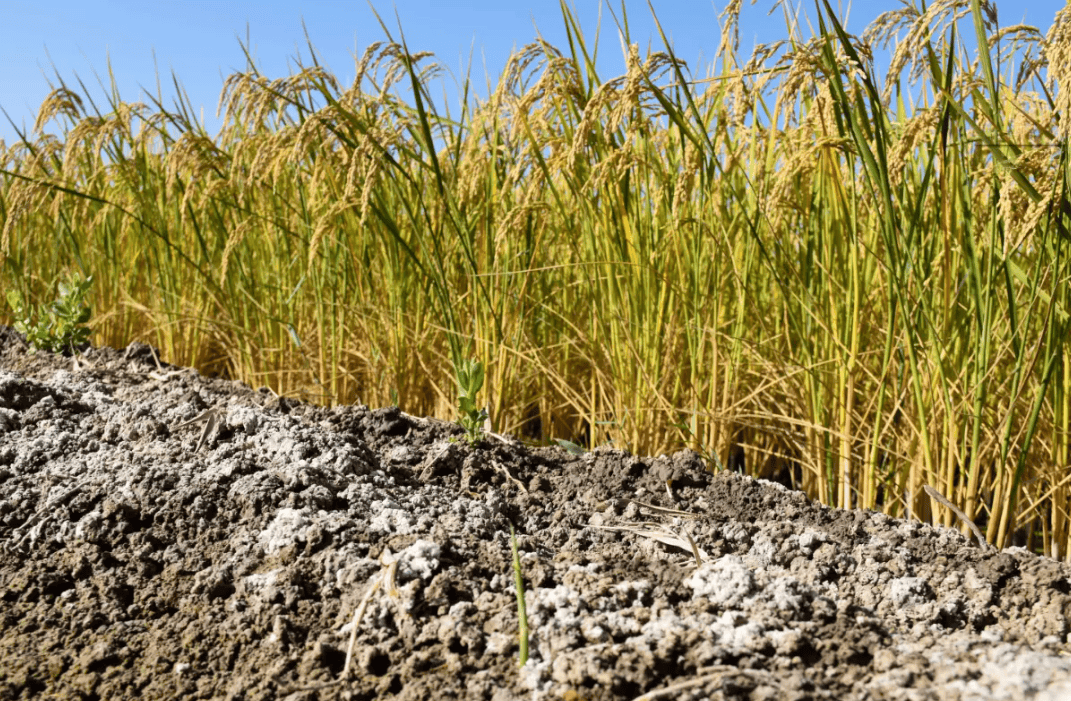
[164,535]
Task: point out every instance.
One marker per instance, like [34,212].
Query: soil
[164,535]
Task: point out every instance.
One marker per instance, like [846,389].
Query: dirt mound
[165,535]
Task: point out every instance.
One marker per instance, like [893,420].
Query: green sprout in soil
[522,615]
[59,327]
[469,382]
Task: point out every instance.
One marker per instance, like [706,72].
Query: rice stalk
[855,286]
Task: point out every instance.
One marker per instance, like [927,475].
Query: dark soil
[144,554]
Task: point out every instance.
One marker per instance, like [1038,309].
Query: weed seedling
[469,383]
[59,327]
[522,614]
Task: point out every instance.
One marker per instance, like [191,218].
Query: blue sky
[199,39]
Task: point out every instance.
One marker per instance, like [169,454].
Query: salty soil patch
[165,535]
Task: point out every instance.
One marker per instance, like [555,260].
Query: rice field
[855,282]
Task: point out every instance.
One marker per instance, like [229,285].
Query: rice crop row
[855,284]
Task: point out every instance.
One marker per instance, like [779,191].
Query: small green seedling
[522,614]
[469,383]
[573,448]
[59,327]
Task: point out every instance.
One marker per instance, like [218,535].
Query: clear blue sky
[199,39]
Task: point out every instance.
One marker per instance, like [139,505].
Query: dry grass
[786,263]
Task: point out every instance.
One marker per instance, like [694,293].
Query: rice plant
[856,284]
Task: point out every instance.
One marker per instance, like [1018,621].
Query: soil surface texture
[168,536]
